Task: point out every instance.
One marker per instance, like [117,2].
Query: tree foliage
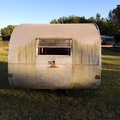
[6,32]
[117,38]
[114,20]
[101,22]
[114,15]
[70,19]
[110,26]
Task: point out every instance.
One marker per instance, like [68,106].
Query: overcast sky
[14,12]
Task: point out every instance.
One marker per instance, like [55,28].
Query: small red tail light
[10,75]
[97,77]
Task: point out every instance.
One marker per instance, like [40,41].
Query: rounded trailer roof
[25,33]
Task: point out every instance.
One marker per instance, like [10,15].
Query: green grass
[104,104]
[4,43]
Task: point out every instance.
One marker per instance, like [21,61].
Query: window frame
[69,47]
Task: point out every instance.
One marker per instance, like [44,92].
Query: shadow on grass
[111,51]
[4,75]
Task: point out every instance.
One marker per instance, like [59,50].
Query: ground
[104,104]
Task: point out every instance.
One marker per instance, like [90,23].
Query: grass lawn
[4,43]
[104,104]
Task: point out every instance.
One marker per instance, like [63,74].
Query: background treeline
[109,26]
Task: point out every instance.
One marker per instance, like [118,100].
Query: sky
[15,12]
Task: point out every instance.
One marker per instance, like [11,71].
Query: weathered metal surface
[27,69]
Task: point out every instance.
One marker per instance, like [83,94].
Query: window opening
[54,47]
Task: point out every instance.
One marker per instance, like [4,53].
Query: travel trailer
[55,56]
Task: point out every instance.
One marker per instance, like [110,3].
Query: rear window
[54,47]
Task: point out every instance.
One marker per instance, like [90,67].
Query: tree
[54,21]
[92,20]
[117,39]
[114,19]
[70,19]
[103,25]
[7,31]
[110,26]
[98,17]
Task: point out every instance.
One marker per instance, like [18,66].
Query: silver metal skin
[31,65]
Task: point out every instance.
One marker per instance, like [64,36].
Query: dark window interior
[53,51]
